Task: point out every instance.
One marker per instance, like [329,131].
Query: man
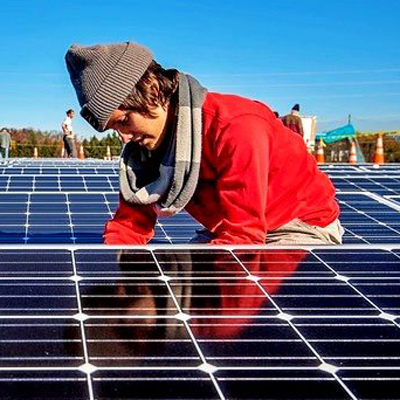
[226,159]
[5,140]
[293,121]
[68,135]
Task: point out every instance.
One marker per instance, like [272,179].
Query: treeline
[50,144]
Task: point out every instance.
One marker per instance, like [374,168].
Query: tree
[49,144]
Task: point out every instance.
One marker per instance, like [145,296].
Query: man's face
[146,131]
[71,114]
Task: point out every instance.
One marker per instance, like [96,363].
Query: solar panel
[74,217]
[380,185]
[59,162]
[49,183]
[368,218]
[358,169]
[60,183]
[58,167]
[394,199]
[96,322]
[53,171]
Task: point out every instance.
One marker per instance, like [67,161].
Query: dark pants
[3,153]
[69,146]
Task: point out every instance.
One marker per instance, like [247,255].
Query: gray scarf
[167,177]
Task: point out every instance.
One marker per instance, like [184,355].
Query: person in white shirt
[69,136]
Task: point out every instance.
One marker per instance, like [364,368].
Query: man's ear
[154,87]
[155,90]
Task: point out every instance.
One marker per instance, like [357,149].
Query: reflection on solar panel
[74,217]
[162,322]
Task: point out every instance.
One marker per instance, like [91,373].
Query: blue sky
[332,57]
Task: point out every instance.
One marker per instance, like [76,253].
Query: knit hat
[103,76]
[296,107]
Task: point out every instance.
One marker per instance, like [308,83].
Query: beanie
[103,76]
[296,107]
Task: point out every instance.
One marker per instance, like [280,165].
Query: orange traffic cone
[379,157]
[81,154]
[35,153]
[108,156]
[320,152]
[353,154]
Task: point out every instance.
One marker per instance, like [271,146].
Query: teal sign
[343,132]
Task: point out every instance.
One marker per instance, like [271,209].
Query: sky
[334,58]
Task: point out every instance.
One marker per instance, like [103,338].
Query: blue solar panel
[74,217]
[59,183]
[198,322]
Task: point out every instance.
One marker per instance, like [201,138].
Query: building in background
[309,129]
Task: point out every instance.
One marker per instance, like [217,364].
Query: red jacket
[255,176]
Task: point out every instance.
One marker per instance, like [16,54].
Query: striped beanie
[103,76]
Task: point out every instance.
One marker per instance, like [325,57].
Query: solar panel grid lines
[230,360]
[25,238]
[107,203]
[360,293]
[62,171]
[330,326]
[88,183]
[87,367]
[205,366]
[71,224]
[171,231]
[358,169]
[375,219]
[53,216]
[58,162]
[287,317]
[383,186]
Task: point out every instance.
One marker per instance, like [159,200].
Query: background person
[68,135]
[293,120]
[5,141]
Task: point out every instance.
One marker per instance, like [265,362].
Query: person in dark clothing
[293,121]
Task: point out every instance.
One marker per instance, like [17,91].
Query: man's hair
[69,111]
[155,88]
